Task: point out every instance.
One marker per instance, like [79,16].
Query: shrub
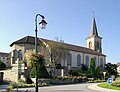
[9,88]
[96,81]
[70,79]
[2,65]
[21,85]
[44,84]
[42,72]
[74,72]
[84,68]
[21,81]
[13,84]
[79,73]
[117,82]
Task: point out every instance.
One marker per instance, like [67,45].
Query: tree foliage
[38,60]
[58,52]
[95,72]
[92,66]
[28,56]
[42,72]
[84,68]
[98,72]
[32,58]
[2,65]
[111,68]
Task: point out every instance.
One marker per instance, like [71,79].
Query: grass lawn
[106,85]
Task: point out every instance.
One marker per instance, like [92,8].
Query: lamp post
[43,25]
[104,73]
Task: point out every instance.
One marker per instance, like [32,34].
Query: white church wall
[83,60]
[85,55]
[74,58]
[74,54]
[104,59]
[97,60]
[91,56]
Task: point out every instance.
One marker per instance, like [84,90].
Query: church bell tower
[94,41]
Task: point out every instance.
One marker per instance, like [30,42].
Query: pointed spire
[94,27]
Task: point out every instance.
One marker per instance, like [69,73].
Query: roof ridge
[70,46]
[27,38]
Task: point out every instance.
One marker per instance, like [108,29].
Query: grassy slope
[106,85]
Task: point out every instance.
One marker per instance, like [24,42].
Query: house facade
[118,68]
[78,55]
[5,58]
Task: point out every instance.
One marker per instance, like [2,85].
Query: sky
[68,20]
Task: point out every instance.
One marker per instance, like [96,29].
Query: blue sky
[69,20]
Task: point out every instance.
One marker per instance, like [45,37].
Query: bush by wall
[79,73]
[2,65]
[117,82]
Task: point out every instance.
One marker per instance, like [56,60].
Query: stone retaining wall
[9,75]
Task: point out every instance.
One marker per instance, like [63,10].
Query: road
[64,88]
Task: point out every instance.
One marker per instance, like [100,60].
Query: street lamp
[43,25]
[104,73]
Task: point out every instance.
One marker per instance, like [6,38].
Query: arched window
[78,60]
[20,54]
[90,44]
[101,62]
[98,45]
[87,61]
[69,59]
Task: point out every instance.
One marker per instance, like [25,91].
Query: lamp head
[43,23]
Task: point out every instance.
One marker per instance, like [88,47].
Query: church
[78,55]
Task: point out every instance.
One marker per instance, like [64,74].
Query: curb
[95,87]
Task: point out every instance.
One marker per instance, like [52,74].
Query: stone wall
[12,74]
[9,75]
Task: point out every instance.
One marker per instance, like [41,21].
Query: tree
[58,52]
[38,60]
[2,65]
[111,68]
[42,72]
[95,72]
[98,72]
[92,67]
[28,56]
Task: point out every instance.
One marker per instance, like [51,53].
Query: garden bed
[68,80]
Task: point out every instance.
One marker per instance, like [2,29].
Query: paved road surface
[64,88]
[3,87]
